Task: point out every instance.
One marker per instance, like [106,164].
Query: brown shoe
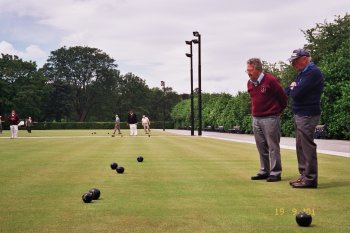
[295,181]
[305,184]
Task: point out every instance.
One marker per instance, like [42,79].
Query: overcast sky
[147,37]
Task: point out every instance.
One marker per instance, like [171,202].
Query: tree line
[329,44]
[78,84]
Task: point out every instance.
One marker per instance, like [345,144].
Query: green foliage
[86,86]
[325,38]
[81,68]
[336,98]
[181,113]
[218,110]
[22,87]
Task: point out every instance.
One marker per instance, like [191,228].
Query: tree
[22,87]
[326,38]
[336,97]
[133,95]
[58,105]
[108,97]
[79,67]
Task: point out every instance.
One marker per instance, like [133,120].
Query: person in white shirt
[117,125]
[146,124]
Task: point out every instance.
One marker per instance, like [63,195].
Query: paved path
[325,146]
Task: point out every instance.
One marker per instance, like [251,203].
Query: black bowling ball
[303,219]
[87,197]
[120,170]
[114,165]
[95,192]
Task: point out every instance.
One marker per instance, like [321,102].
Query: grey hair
[256,62]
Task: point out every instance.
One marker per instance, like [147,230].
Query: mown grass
[185,184]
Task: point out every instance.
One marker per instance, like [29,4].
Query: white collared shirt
[258,81]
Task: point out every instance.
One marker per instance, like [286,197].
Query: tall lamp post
[198,41]
[192,108]
[162,83]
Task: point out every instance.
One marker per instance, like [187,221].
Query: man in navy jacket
[305,92]
[132,122]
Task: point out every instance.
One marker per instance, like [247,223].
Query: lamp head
[195,33]
[188,55]
[189,42]
[195,41]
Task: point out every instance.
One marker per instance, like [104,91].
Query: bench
[208,128]
[220,129]
[185,127]
[235,129]
[320,131]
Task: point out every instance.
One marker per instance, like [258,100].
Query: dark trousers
[267,133]
[306,147]
[29,129]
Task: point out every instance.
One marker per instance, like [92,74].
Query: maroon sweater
[268,98]
[13,120]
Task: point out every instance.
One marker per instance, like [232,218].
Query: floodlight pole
[162,83]
[192,105]
[198,41]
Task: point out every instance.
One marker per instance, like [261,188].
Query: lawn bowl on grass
[114,165]
[303,219]
[87,197]
[120,170]
[95,192]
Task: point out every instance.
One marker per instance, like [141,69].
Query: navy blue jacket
[306,95]
[132,119]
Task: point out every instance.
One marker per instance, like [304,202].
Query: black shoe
[260,177]
[305,184]
[295,181]
[273,178]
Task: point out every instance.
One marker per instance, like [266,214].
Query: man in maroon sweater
[268,101]
[13,121]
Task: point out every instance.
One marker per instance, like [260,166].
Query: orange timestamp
[294,211]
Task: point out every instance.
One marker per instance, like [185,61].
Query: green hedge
[95,125]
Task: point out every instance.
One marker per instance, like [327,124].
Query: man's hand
[292,85]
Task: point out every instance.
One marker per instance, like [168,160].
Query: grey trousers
[267,133]
[306,147]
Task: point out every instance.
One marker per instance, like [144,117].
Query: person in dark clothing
[29,124]
[305,92]
[132,122]
[268,101]
[0,124]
